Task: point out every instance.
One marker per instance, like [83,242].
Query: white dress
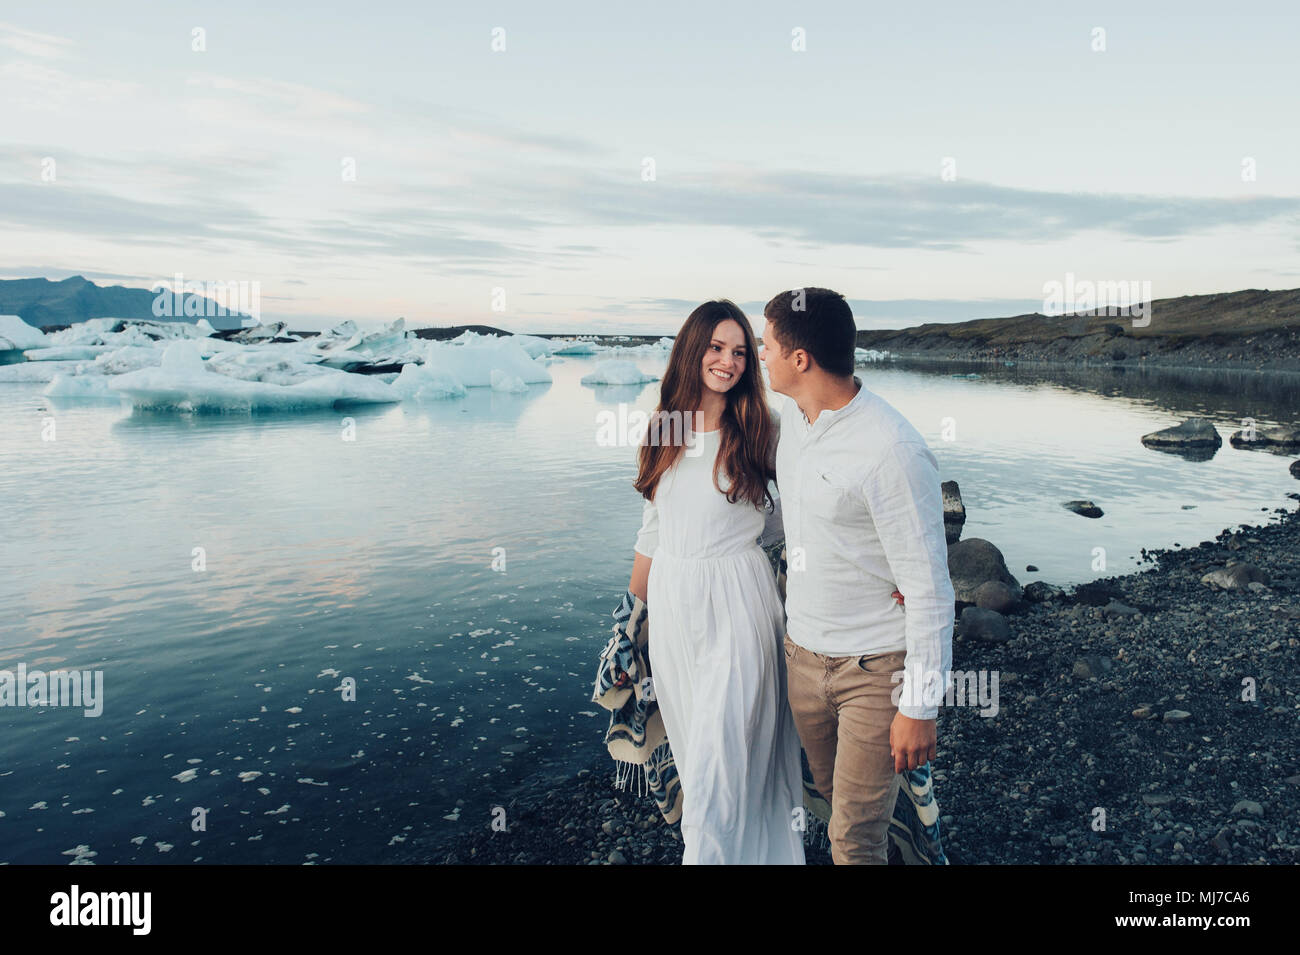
[718,666]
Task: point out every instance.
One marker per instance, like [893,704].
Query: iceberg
[617,372]
[17,335]
[471,359]
[576,348]
[507,383]
[185,382]
[36,371]
[420,383]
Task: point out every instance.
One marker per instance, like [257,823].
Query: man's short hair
[820,322]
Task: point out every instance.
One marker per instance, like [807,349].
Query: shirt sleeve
[647,539]
[903,495]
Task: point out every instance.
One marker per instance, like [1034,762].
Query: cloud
[30,43]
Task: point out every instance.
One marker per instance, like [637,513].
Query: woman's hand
[897,596]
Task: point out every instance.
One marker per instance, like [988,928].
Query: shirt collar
[830,414]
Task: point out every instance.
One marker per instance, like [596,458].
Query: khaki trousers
[842,710]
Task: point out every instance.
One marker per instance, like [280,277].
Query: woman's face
[725,357]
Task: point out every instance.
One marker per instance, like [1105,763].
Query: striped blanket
[637,741]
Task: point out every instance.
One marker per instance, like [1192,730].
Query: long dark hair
[748,434]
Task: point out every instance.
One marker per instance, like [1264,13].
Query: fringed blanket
[637,741]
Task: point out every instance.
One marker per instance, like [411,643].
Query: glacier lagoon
[457,559]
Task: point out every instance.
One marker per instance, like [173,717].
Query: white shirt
[863,516]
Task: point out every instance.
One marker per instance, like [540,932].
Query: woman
[715,644]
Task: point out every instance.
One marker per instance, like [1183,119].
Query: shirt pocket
[829,494]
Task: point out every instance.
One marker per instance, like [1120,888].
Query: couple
[741,681]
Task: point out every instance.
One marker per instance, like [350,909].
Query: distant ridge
[1254,328]
[41,302]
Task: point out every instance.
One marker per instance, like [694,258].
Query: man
[863,518]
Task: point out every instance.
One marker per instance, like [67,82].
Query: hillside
[1250,328]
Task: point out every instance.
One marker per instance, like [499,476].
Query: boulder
[987,625]
[1283,439]
[1083,508]
[1295,468]
[1236,576]
[1192,433]
[1040,592]
[974,561]
[954,511]
[995,595]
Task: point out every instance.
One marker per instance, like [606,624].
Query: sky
[596,167]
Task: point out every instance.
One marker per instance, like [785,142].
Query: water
[372,559]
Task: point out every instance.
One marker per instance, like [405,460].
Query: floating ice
[421,383]
[617,372]
[576,348]
[37,371]
[184,382]
[869,354]
[16,334]
[186,775]
[471,359]
[507,383]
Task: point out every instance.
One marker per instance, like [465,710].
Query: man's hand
[911,742]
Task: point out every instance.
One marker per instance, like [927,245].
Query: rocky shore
[1145,718]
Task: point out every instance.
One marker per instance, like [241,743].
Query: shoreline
[1115,698]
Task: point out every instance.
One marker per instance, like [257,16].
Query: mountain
[41,302]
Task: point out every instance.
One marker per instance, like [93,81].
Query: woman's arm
[647,539]
[640,577]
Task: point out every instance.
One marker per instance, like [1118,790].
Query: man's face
[779,370]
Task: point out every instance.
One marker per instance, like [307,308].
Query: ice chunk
[472,360]
[66,352]
[617,372]
[507,383]
[37,371]
[576,348]
[421,383]
[16,334]
[81,386]
[185,383]
[536,347]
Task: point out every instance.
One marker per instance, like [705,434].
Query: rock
[1247,807]
[1144,711]
[617,858]
[1031,569]
[1286,439]
[1040,592]
[995,595]
[1092,665]
[1175,716]
[1117,609]
[974,561]
[988,625]
[1221,843]
[1235,576]
[1057,841]
[1295,468]
[1083,508]
[1157,799]
[607,827]
[954,511]
[1192,433]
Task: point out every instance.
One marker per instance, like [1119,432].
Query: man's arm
[903,496]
